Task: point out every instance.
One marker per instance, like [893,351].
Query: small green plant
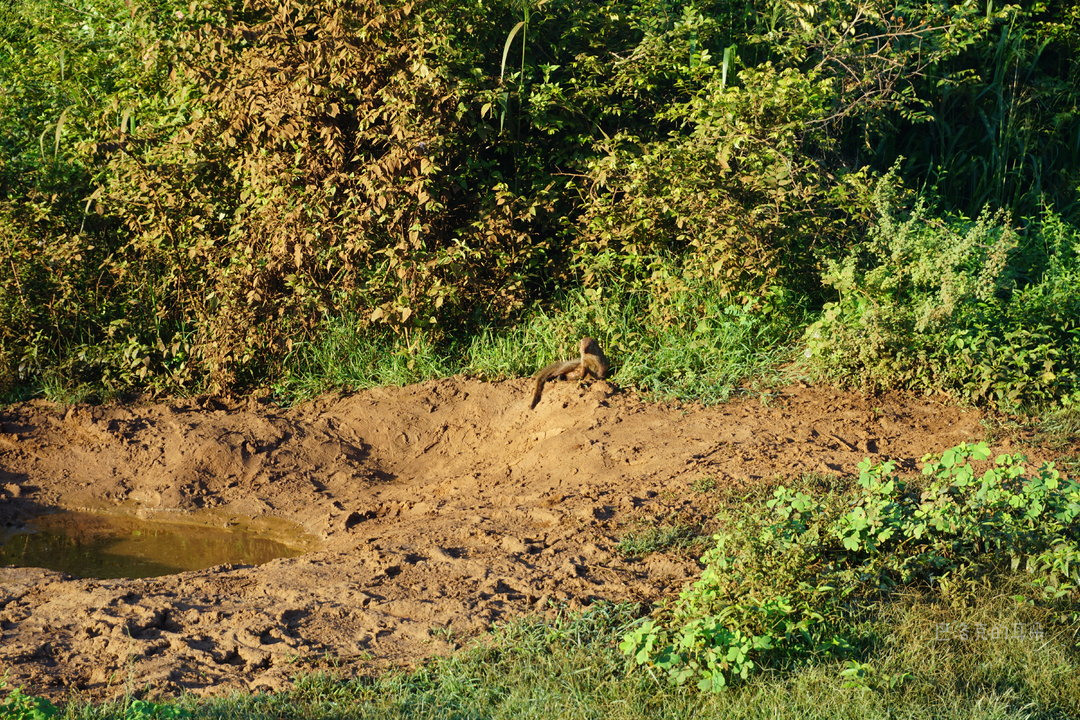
[864,675]
[148,710]
[19,706]
[792,578]
[704,484]
[446,634]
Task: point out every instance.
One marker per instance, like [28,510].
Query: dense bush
[974,307]
[740,199]
[71,291]
[191,191]
[792,577]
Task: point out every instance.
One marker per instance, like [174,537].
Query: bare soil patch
[438,509]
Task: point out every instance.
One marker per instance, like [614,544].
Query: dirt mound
[439,508]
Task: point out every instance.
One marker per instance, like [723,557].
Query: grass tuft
[659,538]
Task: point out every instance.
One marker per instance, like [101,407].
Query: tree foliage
[189,190]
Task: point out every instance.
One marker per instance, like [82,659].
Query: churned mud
[431,512]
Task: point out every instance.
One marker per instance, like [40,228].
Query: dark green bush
[18,706]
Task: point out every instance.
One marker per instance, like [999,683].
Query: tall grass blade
[502,68]
[506,48]
[59,131]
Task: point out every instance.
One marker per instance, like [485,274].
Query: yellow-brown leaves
[308,176]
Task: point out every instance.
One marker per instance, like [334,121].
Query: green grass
[54,388]
[570,668]
[1054,427]
[661,537]
[725,343]
[1059,427]
[57,390]
[341,357]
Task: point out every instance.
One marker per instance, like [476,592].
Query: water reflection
[111,546]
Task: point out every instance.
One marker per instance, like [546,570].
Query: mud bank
[437,508]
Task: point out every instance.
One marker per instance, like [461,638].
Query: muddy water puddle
[98,545]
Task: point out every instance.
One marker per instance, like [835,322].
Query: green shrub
[76,305]
[739,198]
[17,706]
[971,307]
[790,579]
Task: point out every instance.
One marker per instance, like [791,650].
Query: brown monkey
[592,362]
